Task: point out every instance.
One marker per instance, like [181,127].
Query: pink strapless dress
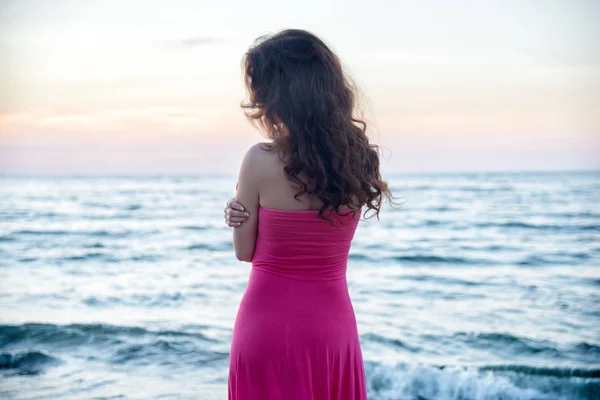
[295,334]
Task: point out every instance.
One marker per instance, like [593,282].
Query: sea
[478,286]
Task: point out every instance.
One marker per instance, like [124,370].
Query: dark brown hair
[294,79]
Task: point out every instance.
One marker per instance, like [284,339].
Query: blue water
[482,286]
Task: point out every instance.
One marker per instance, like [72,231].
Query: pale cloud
[82,124]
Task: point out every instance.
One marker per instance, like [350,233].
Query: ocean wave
[112,217]
[553,259]
[442,209]
[428,382]
[422,259]
[90,256]
[427,259]
[563,258]
[82,334]
[505,341]
[30,215]
[96,245]
[59,232]
[210,246]
[568,214]
[200,246]
[40,232]
[196,227]
[144,257]
[116,345]
[588,348]
[33,334]
[141,300]
[395,343]
[512,345]
[28,259]
[491,248]
[561,372]
[441,279]
[27,363]
[543,227]
[108,258]
[591,281]
[166,353]
[482,189]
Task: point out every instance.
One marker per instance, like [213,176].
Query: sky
[154,87]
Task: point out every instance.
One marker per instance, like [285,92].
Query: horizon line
[226,174]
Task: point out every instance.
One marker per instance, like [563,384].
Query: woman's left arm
[244,236]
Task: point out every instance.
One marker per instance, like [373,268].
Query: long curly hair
[295,80]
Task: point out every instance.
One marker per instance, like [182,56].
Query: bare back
[276,191]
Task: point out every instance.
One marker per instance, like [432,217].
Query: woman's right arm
[251,172]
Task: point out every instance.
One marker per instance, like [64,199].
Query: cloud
[131,123]
[192,42]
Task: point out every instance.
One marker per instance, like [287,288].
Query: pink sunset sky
[128,87]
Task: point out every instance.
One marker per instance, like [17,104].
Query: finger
[237,206]
[238,219]
[235,213]
[234,224]
[230,203]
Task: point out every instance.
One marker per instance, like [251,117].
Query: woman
[302,194]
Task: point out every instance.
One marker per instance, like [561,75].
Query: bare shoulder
[259,160]
[258,150]
[261,155]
